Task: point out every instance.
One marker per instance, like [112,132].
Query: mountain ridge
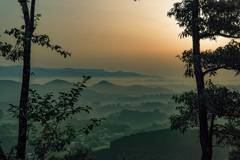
[133,90]
[39,72]
[8,87]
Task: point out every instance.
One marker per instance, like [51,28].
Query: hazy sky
[106,34]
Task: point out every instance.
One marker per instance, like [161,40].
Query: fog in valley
[133,104]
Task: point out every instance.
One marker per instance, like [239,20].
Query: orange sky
[108,34]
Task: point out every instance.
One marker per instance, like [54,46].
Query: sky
[106,34]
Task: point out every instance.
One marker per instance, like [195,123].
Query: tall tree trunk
[206,144]
[23,107]
[22,134]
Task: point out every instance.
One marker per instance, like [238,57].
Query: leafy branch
[227,57]
[46,115]
[16,52]
[221,104]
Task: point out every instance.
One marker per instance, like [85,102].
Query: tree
[22,50]
[227,57]
[206,19]
[223,114]
[46,131]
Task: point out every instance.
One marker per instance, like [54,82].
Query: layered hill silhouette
[38,72]
[132,90]
[10,90]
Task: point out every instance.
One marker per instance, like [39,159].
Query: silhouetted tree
[222,105]
[206,19]
[22,50]
[46,115]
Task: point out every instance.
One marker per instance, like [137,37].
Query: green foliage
[217,18]
[188,117]
[227,57]
[45,116]
[16,52]
[234,154]
[204,19]
[222,109]
[22,50]
[156,145]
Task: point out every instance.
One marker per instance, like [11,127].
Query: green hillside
[157,145]
[137,119]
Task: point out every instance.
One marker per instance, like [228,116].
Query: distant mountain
[132,90]
[54,86]
[106,83]
[57,82]
[15,71]
[10,90]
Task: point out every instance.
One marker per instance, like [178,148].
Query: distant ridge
[133,90]
[57,81]
[15,71]
[10,90]
[104,82]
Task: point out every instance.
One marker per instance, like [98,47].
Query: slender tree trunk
[206,144]
[23,108]
[22,135]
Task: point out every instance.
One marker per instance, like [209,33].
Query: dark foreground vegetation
[154,145]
